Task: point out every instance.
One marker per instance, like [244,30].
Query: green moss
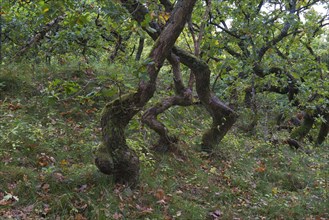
[301,131]
[104,160]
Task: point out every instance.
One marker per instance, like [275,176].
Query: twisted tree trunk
[114,156]
[183,97]
[223,116]
[324,129]
[300,132]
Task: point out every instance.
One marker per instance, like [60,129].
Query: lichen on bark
[114,156]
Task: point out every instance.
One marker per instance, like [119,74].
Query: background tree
[260,59]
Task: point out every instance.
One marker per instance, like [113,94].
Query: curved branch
[39,36]
[117,114]
[222,115]
[283,33]
[167,4]
[140,48]
[183,97]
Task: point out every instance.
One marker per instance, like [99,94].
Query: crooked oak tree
[115,157]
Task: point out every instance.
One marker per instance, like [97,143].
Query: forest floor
[49,129]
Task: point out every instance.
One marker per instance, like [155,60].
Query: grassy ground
[49,129]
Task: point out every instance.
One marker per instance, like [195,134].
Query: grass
[47,172]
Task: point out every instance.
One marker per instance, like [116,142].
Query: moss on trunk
[114,156]
[300,132]
[217,131]
[222,115]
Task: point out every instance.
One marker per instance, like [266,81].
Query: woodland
[169,109]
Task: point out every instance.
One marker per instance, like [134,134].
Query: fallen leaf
[159,194]
[215,215]
[91,111]
[8,199]
[82,188]
[64,163]
[144,210]
[59,177]
[14,107]
[28,209]
[179,192]
[178,213]
[46,209]
[80,205]
[117,216]
[5,202]
[162,202]
[66,113]
[167,217]
[45,160]
[122,206]
[261,167]
[45,187]
[213,170]
[25,178]
[79,217]
[42,162]
[12,186]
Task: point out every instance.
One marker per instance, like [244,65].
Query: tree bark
[117,114]
[223,116]
[39,36]
[324,130]
[140,48]
[300,132]
[183,97]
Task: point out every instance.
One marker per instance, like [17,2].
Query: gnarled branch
[117,114]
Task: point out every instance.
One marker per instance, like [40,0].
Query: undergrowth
[49,129]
